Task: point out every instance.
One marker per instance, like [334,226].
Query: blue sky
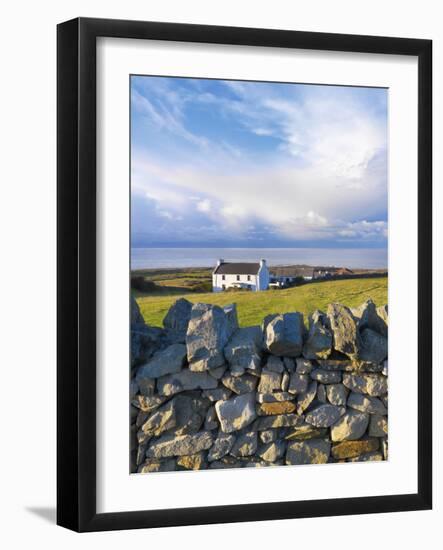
[255,164]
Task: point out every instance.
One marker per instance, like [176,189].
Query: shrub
[142,284]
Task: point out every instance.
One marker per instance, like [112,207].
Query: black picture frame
[76,281]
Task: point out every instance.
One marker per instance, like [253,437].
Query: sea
[363,258]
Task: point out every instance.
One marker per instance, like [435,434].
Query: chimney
[220,261]
[262,262]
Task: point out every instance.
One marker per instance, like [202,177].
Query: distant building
[288,274]
[248,276]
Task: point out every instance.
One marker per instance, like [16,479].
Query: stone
[306,398]
[274,364]
[374,346]
[268,436]
[366,403]
[346,337]
[337,394]
[378,426]
[321,393]
[236,413]
[145,341]
[278,407]
[161,420]
[306,431]
[183,381]
[325,376]
[167,361]
[240,384]
[157,466]
[298,383]
[178,316]
[371,384]
[277,421]
[192,462]
[269,382]
[221,447]
[352,425]
[318,344]
[191,411]
[218,372]
[273,397]
[226,462]
[289,364]
[374,456]
[312,451]
[368,317]
[149,403]
[355,365]
[271,452]
[219,394]
[385,368]
[171,445]
[245,444]
[136,316]
[244,349]
[209,330]
[303,366]
[211,422]
[145,384]
[284,335]
[324,416]
[285,379]
[382,312]
[351,449]
[384,447]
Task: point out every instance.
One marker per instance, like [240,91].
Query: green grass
[253,306]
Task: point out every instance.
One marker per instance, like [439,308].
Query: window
[238,277]
[249,277]
[223,277]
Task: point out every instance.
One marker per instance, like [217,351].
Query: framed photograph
[244,274]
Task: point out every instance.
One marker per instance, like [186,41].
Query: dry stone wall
[207,394]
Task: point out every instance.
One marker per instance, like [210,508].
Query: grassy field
[253,306]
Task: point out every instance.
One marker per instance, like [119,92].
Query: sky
[217,163]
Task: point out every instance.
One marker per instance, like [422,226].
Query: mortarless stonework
[206,394]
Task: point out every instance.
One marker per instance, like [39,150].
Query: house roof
[292,271]
[227,268]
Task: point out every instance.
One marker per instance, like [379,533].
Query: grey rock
[236,413]
[306,398]
[161,420]
[350,426]
[209,330]
[285,379]
[304,366]
[276,421]
[274,364]
[366,403]
[378,426]
[218,372]
[245,444]
[221,447]
[369,317]
[371,384]
[191,410]
[298,383]
[318,343]
[167,361]
[269,382]
[321,393]
[244,349]
[185,380]
[306,431]
[289,364]
[346,337]
[219,394]
[273,451]
[325,376]
[373,456]
[274,397]
[324,416]
[136,316]
[240,384]
[384,447]
[148,403]
[171,445]
[284,335]
[226,462]
[268,436]
[312,451]
[178,316]
[382,312]
[337,394]
[167,465]
[211,422]
[374,346]
[146,384]
[195,461]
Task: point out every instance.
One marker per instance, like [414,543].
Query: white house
[249,276]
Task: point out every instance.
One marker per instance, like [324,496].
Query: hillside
[252,307]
